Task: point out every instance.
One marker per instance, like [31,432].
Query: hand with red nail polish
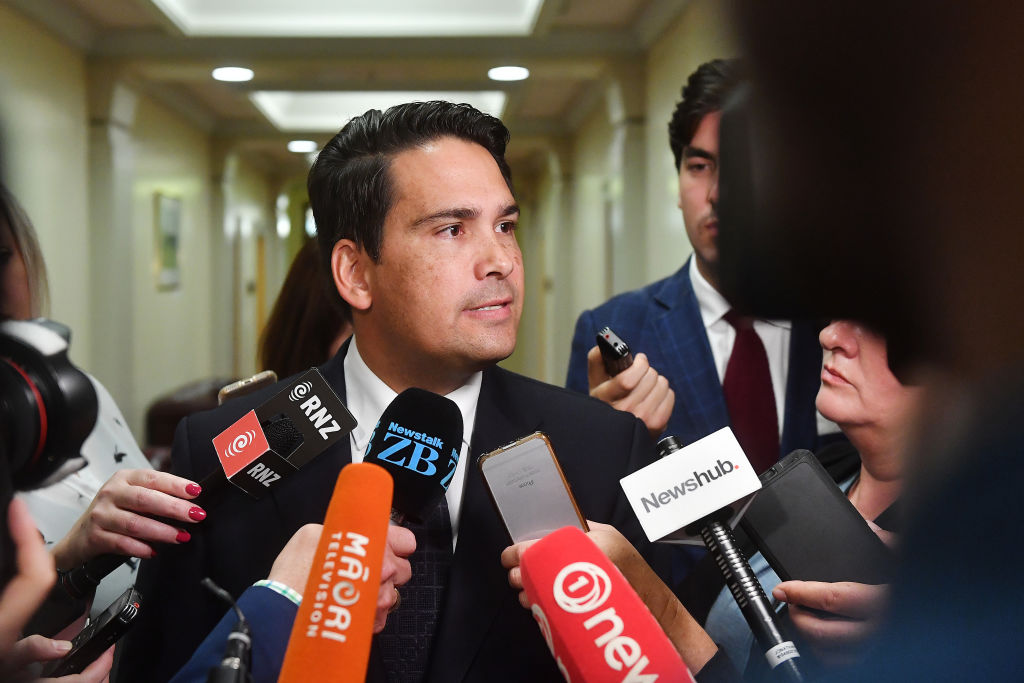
[126,517]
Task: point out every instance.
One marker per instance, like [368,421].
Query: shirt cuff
[281,589]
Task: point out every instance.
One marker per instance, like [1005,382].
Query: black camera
[47,409]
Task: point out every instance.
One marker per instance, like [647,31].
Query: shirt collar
[713,305]
[368,396]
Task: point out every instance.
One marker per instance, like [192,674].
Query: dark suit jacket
[484,634]
[663,321]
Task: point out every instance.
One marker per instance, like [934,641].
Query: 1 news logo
[582,588]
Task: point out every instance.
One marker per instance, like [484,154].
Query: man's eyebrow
[457,213]
[461,214]
[689,152]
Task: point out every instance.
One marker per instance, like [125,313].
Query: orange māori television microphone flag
[334,625]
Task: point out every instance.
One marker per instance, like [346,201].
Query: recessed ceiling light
[302,146]
[508,73]
[233,74]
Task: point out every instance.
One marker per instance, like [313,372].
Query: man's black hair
[705,92]
[350,186]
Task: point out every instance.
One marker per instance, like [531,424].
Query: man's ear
[348,269]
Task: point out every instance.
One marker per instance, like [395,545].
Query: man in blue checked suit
[681,329]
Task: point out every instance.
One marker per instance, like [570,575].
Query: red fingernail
[183,537]
[197,513]
[193,489]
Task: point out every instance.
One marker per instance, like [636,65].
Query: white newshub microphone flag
[689,484]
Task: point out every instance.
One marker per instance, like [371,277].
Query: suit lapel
[687,361]
[308,501]
[477,585]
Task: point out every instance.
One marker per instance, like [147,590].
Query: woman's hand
[834,618]
[119,519]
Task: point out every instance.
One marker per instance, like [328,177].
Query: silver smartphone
[246,386]
[529,490]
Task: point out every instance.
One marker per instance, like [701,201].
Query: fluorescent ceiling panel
[352,18]
[327,112]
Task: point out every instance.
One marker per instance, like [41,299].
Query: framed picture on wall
[166,241]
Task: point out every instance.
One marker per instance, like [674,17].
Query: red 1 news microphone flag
[596,626]
[331,635]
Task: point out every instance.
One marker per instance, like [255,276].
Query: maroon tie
[749,397]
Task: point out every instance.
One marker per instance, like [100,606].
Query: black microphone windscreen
[282,435]
[417,440]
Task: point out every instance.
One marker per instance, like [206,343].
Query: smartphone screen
[529,489]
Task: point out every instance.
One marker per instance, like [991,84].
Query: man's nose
[496,256]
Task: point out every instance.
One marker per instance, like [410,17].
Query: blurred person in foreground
[21,659]
[876,412]
[887,150]
[306,326]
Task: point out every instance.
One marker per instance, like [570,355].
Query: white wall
[172,329]
[249,210]
[702,33]
[44,140]
[86,156]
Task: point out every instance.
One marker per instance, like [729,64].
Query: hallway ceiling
[310,55]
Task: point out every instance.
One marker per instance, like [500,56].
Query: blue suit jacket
[663,321]
[270,616]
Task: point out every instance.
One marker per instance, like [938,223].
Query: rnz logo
[240,443]
[299,391]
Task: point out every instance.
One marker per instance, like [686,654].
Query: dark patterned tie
[749,397]
[406,639]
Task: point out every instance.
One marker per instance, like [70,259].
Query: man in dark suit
[679,327]
[416,221]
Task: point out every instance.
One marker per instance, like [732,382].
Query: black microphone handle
[749,595]
[235,665]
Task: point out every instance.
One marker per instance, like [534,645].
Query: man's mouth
[493,305]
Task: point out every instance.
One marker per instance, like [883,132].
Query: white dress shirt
[367,396]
